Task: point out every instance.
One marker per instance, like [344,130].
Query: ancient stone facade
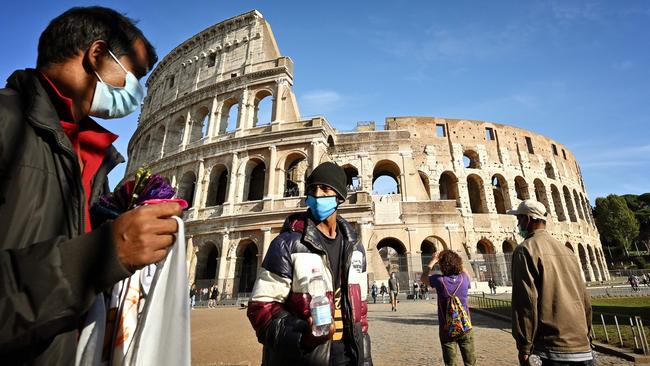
[244,172]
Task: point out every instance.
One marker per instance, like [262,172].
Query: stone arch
[568,245]
[448,185]
[576,199]
[175,134]
[229,116]
[476,193]
[207,265]
[521,187]
[143,154]
[486,265]
[549,171]
[540,193]
[157,142]
[254,179]
[569,204]
[330,141]
[501,194]
[187,186]
[352,178]
[218,185]
[471,159]
[594,264]
[585,208]
[246,266]
[425,182]
[393,253]
[582,254]
[557,201]
[294,169]
[263,103]
[485,246]
[508,246]
[389,169]
[199,124]
[429,246]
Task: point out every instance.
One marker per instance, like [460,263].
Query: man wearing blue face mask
[551,310]
[317,241]
[54,161]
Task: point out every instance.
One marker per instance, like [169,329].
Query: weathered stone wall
[244,174]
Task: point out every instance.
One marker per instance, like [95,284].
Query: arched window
[207,265]
[175,133]
[508,246]
[471,159]
[486,264]
[425,183]
[576,199]
[568,245]
[330,141]
[187,187]
[548,169]
[540,194]
[263,108]
[448,186]
[352,178]
[584,261]
[501,194]
[476,194]
[229,116]
[429,246]
[199,124]
[218,186]
[157,143]
[255,180]
[557,201]
[246,266]
[385,178]
[295,170]
[569,204]
[522,188]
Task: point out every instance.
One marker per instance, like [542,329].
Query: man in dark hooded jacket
[54,162]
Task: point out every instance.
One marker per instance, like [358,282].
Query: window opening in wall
[489,134]
[471,160]
[554,149]
[352,178]
[171,82]
[564,154]
[263,109]
[448,186]
[231,118]
[441,131]
[385,178]
[212,60]
[233,75]
[548,169]
[529,145]
[204,124]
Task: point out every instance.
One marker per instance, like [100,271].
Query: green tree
[616,222]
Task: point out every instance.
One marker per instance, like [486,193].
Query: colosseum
[222,123]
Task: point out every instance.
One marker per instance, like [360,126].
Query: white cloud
[320,101]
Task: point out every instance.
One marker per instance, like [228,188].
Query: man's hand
[143,235]
[310,341]
[523,359]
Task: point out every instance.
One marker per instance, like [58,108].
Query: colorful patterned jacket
[279,306]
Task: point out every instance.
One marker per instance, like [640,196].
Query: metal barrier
[608,328]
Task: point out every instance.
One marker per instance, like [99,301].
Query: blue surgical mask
[114,102]
[321,207]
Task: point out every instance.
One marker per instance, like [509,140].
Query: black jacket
[50,270]
[279,305]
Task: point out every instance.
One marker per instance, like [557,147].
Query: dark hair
[450,263]
[77,28]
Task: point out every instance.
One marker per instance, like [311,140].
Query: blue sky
[576,71]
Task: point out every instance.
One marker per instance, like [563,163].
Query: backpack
[457,320]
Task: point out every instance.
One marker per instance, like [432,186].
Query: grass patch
[628,306]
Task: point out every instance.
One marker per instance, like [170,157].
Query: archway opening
[540,193]
[521,187]
[429,247]
[448,186]
[207,265]
[569,204]
[584,262]
[548,169]
[393,254]
[255,180]
[246,267]
[200,124]
[471,159]
[385,178]
[229,116]
[500,194]
[557,202]
[218,186]
[485,264]
[476,194]
[263,108]
[425,183]
[295,175]
[352,179]
[187,187]
[568,245]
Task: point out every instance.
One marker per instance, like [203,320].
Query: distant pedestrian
[193,295]
[393,287]
[214,295]
[416,291]
[424,291]
[551,310]
[454,320]
[383,291]
[373,292]
[493,286]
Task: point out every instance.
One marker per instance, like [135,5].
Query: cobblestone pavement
[406,337]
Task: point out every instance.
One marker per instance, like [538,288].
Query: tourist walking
[416,290]
[551,310]
[393,288]
[193,295]
[383,290]
[454,323]
[373,292]
[214,295]
[493,286]
[316,241]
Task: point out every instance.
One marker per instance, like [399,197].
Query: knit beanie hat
[331,175]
